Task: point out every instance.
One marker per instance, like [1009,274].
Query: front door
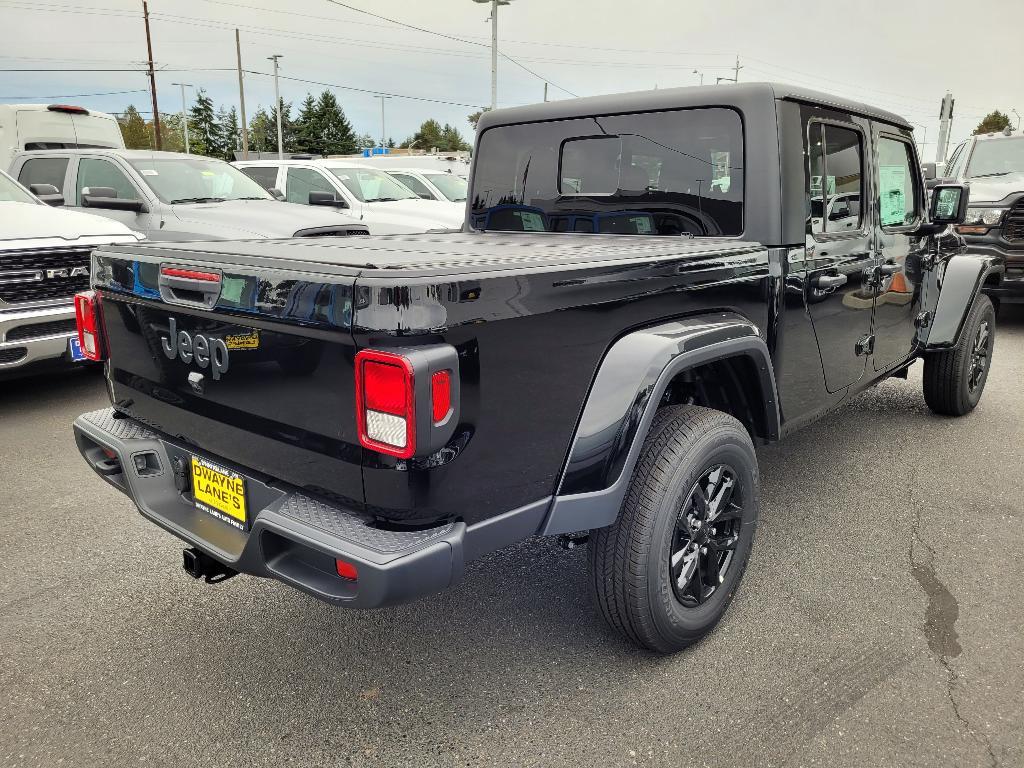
[839,248]
[901,253]
[100,172]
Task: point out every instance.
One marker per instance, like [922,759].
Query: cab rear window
[676,172]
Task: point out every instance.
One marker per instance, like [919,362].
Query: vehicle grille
[12,355]
[39,261]
[39,330]
[1013,226]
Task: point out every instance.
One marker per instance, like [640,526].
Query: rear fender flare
[961,283]
[629,385]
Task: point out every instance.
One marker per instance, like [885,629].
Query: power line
[76,95]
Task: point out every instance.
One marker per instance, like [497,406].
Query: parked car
[449,395]
[174,196]
[993,164]
[433,185]
[44,261]
[384,205]
[54,126]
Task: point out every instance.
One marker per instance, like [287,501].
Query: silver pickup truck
[44,261]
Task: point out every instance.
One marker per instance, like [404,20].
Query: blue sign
[75,349]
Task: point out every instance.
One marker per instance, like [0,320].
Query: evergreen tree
[289,140]
[474,119]
[451,140]
[204,132]
[391,143]
[171,132]
[134,130]
[994,122]
[307,128]
[262,132]
[365,141]
[230,136]
[338,136]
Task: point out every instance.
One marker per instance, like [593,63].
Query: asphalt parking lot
[881,622]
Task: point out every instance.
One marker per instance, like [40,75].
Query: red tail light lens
[87,319]
[347,570]
[385,403]
[441,395]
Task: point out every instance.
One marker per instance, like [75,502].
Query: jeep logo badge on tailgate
[204,350]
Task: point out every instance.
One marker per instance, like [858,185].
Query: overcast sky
[898,54]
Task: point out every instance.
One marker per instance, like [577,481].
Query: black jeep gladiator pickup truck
[646,285]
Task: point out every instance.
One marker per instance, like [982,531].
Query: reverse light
[87,320]
[385,403]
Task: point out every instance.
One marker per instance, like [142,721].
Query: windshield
[453,187]
[197,180]
[12,192]
[997,157]
[371,186]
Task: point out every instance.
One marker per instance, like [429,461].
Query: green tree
[133,129]
[451,140]
[171,133]
[231,138]
[432,136]
[474,119]
[338,136]
[391,143]
[204,132]
[307,127]
[289,139]
[262,132]
[994,122]
[365,141]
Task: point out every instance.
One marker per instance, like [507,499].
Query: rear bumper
[27,336]
[291,537]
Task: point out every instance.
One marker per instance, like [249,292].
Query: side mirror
[929,171]
[276,193]
[949,204]
[106,197]
[48,193]
[326,198]
[425,196]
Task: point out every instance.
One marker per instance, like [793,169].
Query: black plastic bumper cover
[292,537]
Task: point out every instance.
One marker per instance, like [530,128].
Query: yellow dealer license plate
[219,492]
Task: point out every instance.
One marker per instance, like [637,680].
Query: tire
[954,379]
[660,522]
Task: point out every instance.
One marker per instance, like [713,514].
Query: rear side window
[656,173]
[898,183]
[103,173]
[836,179]
[265,177]
[44,170]
[302,181]
[415,185]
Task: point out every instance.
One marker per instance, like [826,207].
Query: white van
[54,126]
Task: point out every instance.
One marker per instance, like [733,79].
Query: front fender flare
[630,382]
[961,282]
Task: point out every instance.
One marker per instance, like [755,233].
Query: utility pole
[1018,118]
[736,79]
[701,76]
[545,91]
[383,133]
[184,119]
[241,98]
[277,102]
[494,47]
[945,121]
[152,78]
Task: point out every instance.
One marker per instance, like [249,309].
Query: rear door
[46,170]
[839,241]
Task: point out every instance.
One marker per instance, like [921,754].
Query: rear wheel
[954,379]
[664,573]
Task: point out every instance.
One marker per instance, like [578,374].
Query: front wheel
[664,573]
[954,379]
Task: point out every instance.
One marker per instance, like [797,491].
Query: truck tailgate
[258,374]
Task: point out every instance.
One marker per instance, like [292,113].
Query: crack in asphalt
[940,619]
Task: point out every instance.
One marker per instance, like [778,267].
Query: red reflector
[347,570]
[441,395]
[190,274]
[384,387]
[87,320]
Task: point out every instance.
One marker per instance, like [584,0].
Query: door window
[836,179]
[415,185]
[956,162]
[44,170]
[265,177]
[898,183]
[103,173]
[302,181]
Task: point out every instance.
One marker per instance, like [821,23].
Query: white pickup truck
[44,261]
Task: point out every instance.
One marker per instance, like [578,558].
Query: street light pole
[701,76]
[383,133]
[277,107]
[184,118]
[1018,118]
[494,47]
